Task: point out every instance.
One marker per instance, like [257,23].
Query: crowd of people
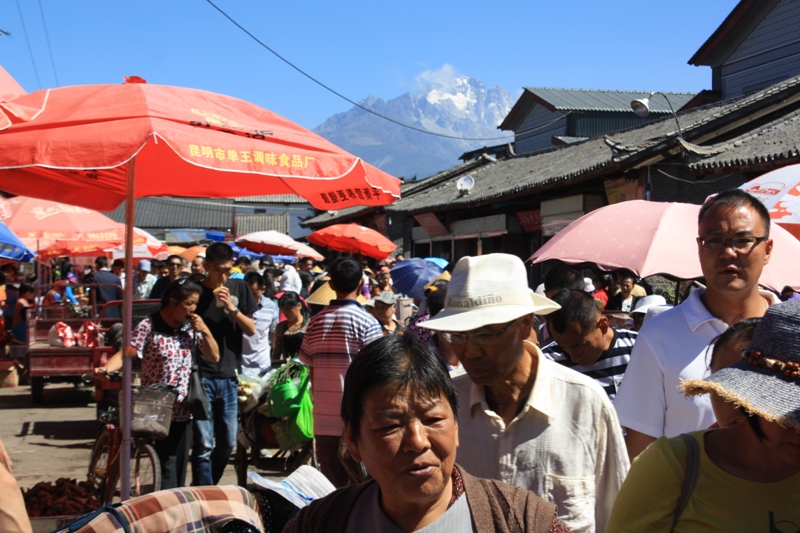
[497,407]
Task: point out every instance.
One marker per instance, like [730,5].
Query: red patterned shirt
[166,354]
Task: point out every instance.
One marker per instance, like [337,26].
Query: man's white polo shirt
[671,347]
[565,445]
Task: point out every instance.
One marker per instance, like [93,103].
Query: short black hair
[563,276]
[736,198]
[396,361]
[243,260]
[306,278]
[219,251]
[626,273]
[118,263]
[101,261]
[179,290]
[255,277]
[25,288]
[577,307]
[172,257]
[346,274]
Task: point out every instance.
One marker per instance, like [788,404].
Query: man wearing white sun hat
[526,420]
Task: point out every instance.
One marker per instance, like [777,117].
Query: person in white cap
[644,305]
[527,420]
[143,281]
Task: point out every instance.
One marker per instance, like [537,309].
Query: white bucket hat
[488,289]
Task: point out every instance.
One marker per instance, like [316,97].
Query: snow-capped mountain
[460,107]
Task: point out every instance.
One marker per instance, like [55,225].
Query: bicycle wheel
[145,472]
[98,464]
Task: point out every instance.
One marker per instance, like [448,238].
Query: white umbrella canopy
[273,242]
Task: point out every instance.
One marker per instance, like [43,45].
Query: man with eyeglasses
[525,419]
[174,267]
[733,245]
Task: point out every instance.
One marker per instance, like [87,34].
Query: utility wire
[49,48]
[30,50]
[343,97]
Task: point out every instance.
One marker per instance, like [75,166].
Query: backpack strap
[690,478]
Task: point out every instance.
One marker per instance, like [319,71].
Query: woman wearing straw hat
[745,477]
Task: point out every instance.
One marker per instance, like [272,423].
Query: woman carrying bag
[165,342]
[744,477]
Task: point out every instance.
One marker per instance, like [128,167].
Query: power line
[30,50]
[49,48]
[343,97]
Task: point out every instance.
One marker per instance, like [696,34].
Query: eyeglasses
[477,338]
[741,244]
[175,264]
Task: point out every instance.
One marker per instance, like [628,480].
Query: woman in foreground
[748,474]
[400,409]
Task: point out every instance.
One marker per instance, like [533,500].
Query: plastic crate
[152,411]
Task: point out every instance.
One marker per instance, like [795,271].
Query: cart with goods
[276,421]
[65,342]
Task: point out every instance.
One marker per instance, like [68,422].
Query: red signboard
[432,225]
[531,221]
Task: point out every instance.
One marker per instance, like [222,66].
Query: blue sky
[380,48]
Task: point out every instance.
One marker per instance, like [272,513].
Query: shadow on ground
[54,397]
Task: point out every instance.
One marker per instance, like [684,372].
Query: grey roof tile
[247,223]
[597,100]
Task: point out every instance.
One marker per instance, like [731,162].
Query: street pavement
[46,442]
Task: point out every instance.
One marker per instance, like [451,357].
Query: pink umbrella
[779,191]
[273,242]
[655,238]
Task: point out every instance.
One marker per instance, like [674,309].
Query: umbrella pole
[127,323]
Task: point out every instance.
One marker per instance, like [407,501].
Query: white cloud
[445,77]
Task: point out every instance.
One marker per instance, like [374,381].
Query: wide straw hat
[324,295]
[766,381]
[488,289]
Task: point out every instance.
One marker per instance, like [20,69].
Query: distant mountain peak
[447,104]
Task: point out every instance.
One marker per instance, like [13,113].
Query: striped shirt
[609,369]
[333,337]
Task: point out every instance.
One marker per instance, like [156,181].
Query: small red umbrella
[353,239]
[779,191]
[656,238]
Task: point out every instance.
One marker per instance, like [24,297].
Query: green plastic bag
[284,396]
[301,424]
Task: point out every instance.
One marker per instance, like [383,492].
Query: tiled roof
[508,178]
[271,199]
[566,139]
[262,222]
[595,100]
[163,212]
[777,141]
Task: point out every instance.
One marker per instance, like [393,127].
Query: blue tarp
[12,248]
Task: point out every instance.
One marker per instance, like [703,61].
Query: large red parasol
[71,144]
[352,238]
[95,146]
[656,238]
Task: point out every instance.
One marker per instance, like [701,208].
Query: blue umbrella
[244,251]
[410,276]
[12,248]
[438,261]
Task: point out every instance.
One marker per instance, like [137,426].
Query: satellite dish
[465,183]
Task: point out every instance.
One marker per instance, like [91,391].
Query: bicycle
[104,467]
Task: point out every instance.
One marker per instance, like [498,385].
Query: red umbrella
[655,238]
[72,143]
[273,242]
[352,238]
[95,146]
[40,223]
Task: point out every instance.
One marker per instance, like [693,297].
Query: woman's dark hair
[306,278]
[178,291]
[396,361]
[255,277]
[291,299]
[738,332]
[604,280]
[269,285]
[435,296]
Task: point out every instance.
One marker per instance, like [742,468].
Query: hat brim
[760,391]
[466,320]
